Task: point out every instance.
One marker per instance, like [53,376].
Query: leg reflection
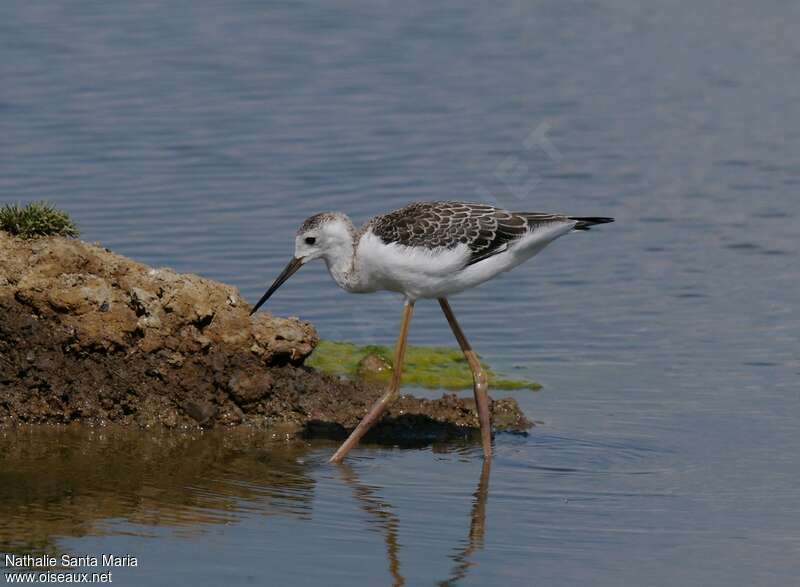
[477,529]
[386,520]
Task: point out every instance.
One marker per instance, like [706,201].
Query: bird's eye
[310,240]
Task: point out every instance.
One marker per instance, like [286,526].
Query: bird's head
[321,236]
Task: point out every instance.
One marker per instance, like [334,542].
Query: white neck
[341,259]
[341,265]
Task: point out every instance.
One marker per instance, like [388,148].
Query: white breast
[413,271]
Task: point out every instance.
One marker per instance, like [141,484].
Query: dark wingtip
[586,222]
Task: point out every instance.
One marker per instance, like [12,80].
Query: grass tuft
[428,367]
[35,220]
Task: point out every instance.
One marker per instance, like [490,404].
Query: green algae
[428,367]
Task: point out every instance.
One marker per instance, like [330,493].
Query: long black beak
[290,270]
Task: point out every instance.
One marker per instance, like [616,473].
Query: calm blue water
[199,134]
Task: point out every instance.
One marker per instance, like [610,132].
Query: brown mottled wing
[486,230]
[510,226]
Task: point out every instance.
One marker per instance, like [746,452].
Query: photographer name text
[70,561]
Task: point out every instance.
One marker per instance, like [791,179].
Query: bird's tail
[586,222]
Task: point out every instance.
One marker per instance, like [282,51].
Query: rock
[90,336]
[373,368]
[246,388]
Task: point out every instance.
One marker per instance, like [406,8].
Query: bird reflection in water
[387,522]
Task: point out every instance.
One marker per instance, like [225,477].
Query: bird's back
[484,229]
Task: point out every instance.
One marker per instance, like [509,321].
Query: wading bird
[427,250]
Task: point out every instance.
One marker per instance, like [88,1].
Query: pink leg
[393,392]
[481,384]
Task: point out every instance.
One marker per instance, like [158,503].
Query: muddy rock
[87,335]
[372,367]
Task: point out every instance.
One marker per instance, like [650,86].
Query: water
[198,135]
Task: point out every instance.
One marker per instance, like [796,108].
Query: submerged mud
[90,336]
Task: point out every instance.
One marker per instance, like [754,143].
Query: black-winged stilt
[427,250]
